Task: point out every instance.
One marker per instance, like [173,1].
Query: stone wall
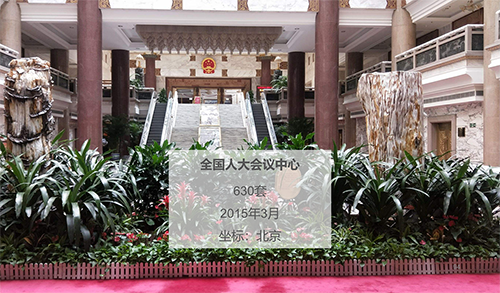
[472,144]
[231,66]
[361,137]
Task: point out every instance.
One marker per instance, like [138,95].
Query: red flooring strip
[454,283]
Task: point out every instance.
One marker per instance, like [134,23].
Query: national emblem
[208,65]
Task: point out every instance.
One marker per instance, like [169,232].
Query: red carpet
[397,284]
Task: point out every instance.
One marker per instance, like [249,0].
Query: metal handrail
[149,118]
[58,76]
[170,115]
[9,53]
[383,66]
[269,121]
[465,31]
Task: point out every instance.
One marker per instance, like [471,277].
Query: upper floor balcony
[495,49]
[451,66]
[351,102]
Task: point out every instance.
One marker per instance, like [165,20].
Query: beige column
[403,32]
[354,63]
[491,87]
[10,25]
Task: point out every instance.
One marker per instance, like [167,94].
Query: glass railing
[6,55]
[465,39]
[269,121]
[60,79]
[170,116]
[351,82]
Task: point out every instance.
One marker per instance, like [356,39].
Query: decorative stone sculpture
[28,103]
[393,104]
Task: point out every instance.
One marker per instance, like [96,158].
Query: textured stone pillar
[393,103]
[265,70]
[354,63]
[10,25]
[59,59]
[491,89]
[403,32]
[120,82]
[89,74]
[150,78]
[327,74]
[296,84]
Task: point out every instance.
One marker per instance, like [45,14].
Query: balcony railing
[6,55]
[60,79]
[351,82]
[464,39]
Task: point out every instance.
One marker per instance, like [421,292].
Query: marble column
[59,59]
[10,25]
[296,84]
[491,88]
[327,74]
[150,78]
[120,70]
[89,74]
[354,63]
[265,70]
[404,29]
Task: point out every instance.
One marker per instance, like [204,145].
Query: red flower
[454,217]
[134,214]
[441,228]
[156,216]
[186,237]
[117,239]
[451,223]
[219,221]
[422,242]
[445,217]
[159,238]
[459,240]
[55,238]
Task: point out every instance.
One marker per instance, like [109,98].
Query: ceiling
[55,26]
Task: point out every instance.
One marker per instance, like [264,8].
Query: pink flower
[186,237]
[219,221]
[300,229]
[422,242]
[305,236]
[182,188]
[294,235]
[209,233]
[204,199]
[134,214]
[117,239]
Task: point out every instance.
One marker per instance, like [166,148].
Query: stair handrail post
[269,121]
[168,123]
[251,120]
[149,118]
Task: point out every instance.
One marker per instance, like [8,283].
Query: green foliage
[115,129]
[297,142]
[148,168]
[135,129]
[280,82]
[75,194]
[294,126]
[251,95]
[162,96]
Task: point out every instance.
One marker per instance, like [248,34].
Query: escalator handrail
[269,121]
[251,120]
[149,118]
[168,123]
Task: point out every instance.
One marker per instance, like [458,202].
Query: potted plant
[116,131]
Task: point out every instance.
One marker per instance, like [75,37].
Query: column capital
[151,55]
[265,58]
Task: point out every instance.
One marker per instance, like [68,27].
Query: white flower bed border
[86,271]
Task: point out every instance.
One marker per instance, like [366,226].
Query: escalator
[260,123]
[156,127]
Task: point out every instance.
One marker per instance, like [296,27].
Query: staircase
[260,122]
[157,124]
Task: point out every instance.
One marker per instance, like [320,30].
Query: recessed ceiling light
[71,27]
[342,31]
[120,25]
